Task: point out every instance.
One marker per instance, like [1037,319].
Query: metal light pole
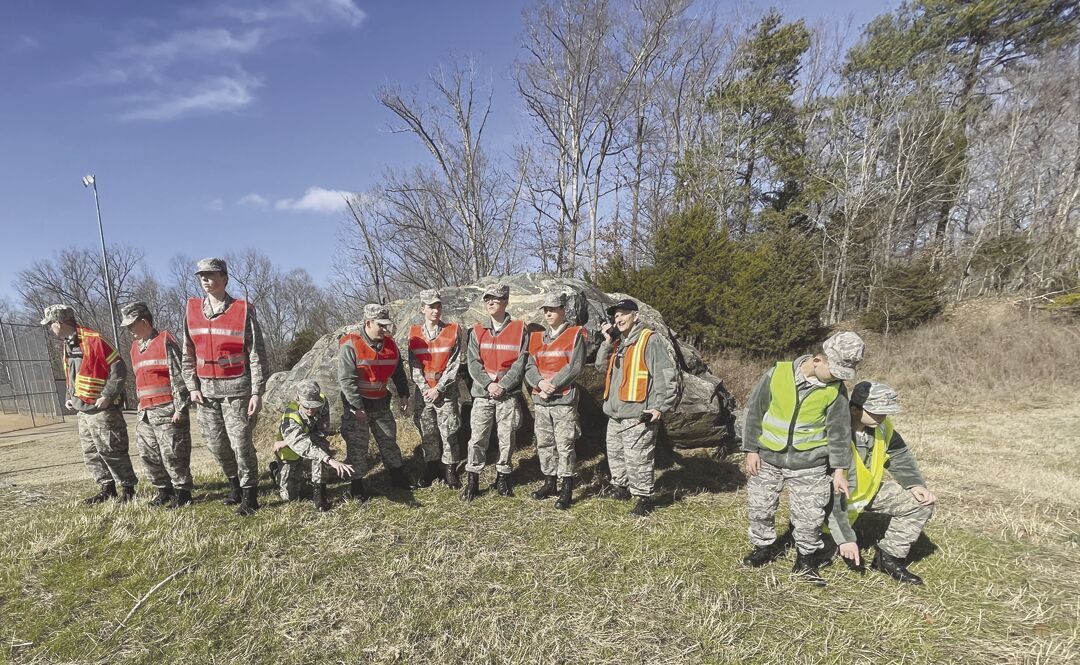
[89,181]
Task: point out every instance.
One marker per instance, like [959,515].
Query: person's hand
[839,481]
[403,402]
[924,496]
[850,551]
[101,402]
[341,468]
[278,445]
[654,415]
[177,416]
[254,404]
[361,416]
[431,395]
[196,396]
[546,386]
[605,330]
[752,464]
[495,390]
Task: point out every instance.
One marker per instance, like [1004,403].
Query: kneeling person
[303,430]
[875,447]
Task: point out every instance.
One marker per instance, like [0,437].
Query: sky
[218,126]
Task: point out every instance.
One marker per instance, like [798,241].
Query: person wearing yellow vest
[95,375]
[305,424]
[435,358]
[796,428]
[556,360]
[496,360]
[640,386]
[225,369]
[368,365]
[877,446]
[162,425]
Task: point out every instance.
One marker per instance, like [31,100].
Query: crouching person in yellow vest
[302,438]
[875,447]
[797,427]
[640,386]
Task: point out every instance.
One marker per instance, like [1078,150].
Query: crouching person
[876,446]
[304,426]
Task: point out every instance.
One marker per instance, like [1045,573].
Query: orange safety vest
[98,355]
[499,352]
[433,355]
[373,368]
[552,358]
[219,342]
[152,371]
[635,378]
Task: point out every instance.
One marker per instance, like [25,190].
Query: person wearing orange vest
[640,386]
[225,368]
[162,426]
[435,357]
[368,363]
[877,447]
[95,375]
[556,360]
[496,359]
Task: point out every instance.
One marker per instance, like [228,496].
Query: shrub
[906,297]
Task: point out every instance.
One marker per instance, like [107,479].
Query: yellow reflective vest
[869,474]
[790,421]
[292,412]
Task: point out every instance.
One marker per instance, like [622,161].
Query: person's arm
[602,355]
[532,372]
[756,406]
[566,376]
[181,398]
[902,464]
[839,527]
[453,364]
[476,368]
[400,381]
[662,392]
[258,361]
[516,372]
[117,372]
[187,361]
[838,432]
[346,375]
[293,435]
[416,370]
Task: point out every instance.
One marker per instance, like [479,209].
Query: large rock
[702,418]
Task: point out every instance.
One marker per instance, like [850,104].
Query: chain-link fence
[30,393]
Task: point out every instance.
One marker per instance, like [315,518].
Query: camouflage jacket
[565,378]
[663,379]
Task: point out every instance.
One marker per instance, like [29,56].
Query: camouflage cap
[500,291]
[844,351]
[309,394]
[876,397]
[132,312]
[211,265]
[59,313]
[377,313]
[553,299]
[430,297]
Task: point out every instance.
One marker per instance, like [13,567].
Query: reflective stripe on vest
[868,479]
[634,386]
[97,357]
[791,421]
[219,342]
[434,354]
[499,352]
[373,368]
[551,358]
[292,412]
[151,366]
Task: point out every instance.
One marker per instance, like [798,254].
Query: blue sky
[216,126]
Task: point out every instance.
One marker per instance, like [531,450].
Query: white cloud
[212,95]
[194,44]
[316,199]
[215,205]
[254,200]
[312,11]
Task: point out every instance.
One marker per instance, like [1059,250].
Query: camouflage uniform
[631,444]
[380,417]
[804,472]
[222,416]
[311,446]
[165,446]
[438,421]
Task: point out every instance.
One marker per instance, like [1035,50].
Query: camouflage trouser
[438,423]
[908,517]
[226,429]
[103,437]
[631,453]
[809,491]
[501,414]
[165,448]
[380,423]
[293,473]
[556,431]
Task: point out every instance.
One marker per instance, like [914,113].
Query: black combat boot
[452,479]
[356,490]
[127,493]
[181,498]
[472,487]
[566,494]
[503,484]
[249,501]
[275,473]
[895,567]
[620,493]
[806,567]
[234,492]
[399,478]
[429,475]
[318,497]
[761,556]
[108,491]
[547,489]
[644,507]
[163,496]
